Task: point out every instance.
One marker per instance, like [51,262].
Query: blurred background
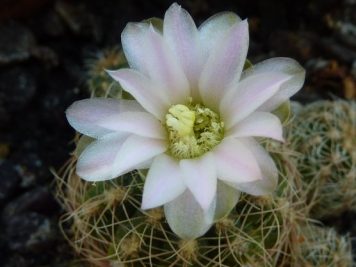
[45,47]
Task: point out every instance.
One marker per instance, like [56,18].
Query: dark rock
[46,55]
[16,42]
[53,24]
[291,44]
[38,200]
[17,261]
[17,88]
[28,232]
[274,17]
[20,8]
[79,19]
[9,180]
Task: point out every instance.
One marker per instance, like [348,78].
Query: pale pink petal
[250,94]
[133,42]
[139,123]
[156,60]
[235,162]
[182,37]
[224,65]
[213,29]
[287,89]
[85,115]
[136,150]
[269,180]
[186,217]
[163,183]
[96,162]
[226,199]
[258,124]
[199,174]
[152,98]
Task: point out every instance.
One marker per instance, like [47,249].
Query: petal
[163,182]
[283,65]
[85,115]
[226,199]
[224,65]
[213,29]
[182,37]
[269,180]
[96,162]
[199,174]
[152,98]
[235,162]
[250,94]
[139,123]
[133,42]
[258,124]
[148,52]
[186,217]
[135,151]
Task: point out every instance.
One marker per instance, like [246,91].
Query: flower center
[192,130]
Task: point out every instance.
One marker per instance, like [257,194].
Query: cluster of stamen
[192,130]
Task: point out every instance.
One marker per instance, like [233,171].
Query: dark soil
[43,47]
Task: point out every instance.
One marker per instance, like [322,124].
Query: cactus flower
[194,119]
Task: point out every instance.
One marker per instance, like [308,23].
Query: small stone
[29,232]
[9,182]
[16,42]
[30,167]
[347,33]
[339,51]
[38,200]
[28,178]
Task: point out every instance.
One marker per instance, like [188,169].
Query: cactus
[108,228]
[324,134]
[105,225]
[99,83]
[323,247]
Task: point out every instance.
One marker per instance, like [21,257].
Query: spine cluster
[324,135]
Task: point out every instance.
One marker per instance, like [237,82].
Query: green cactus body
[99,83]
[108,228]
[324,134]
[323,247]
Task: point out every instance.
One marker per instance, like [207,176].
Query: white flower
[194,119]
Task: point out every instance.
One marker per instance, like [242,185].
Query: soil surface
[43,47]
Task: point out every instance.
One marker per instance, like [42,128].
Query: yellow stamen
[192,130]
